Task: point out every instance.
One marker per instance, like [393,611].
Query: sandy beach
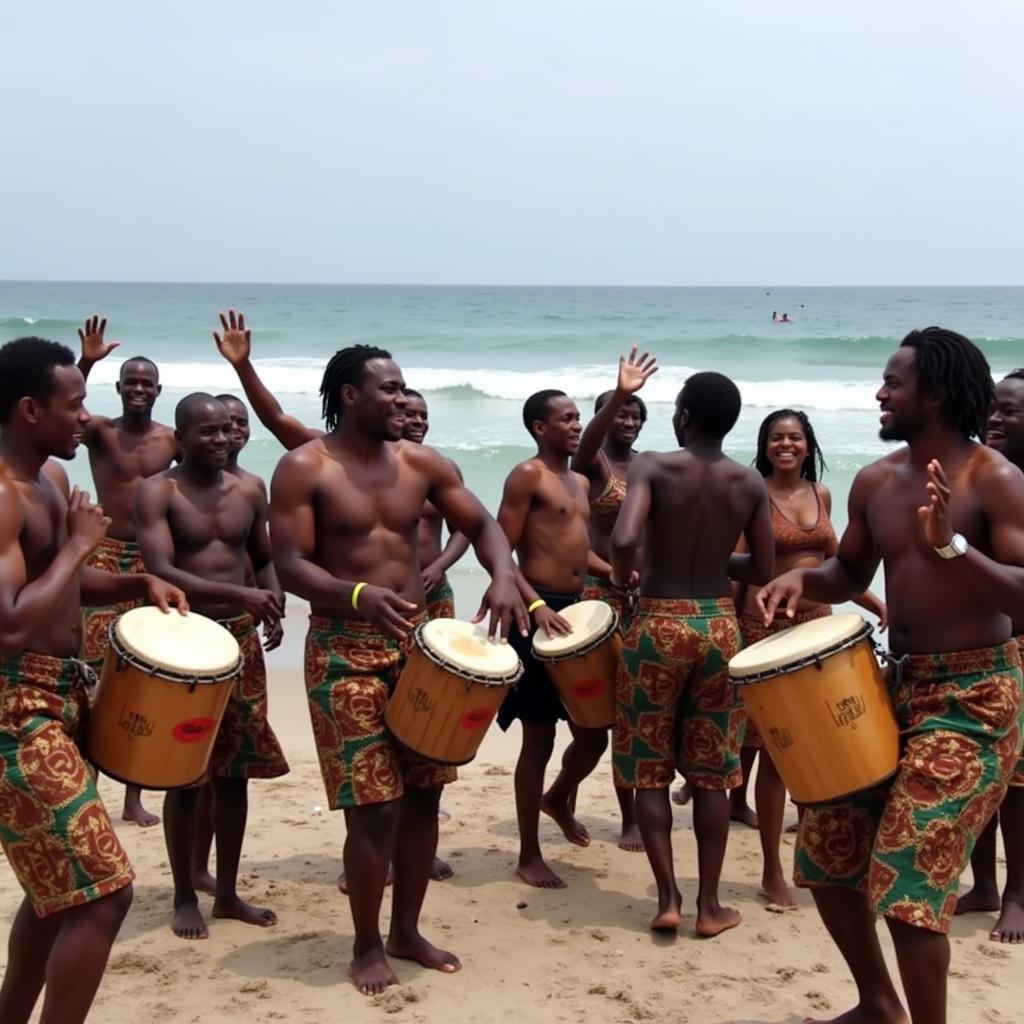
[581,953]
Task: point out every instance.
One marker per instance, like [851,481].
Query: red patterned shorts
[351,670]
[675,706]
[906,844]
[53,826]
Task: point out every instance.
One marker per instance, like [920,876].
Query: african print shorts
[675,706]
[599,589]
[905,845]
[120,556]
[753,629]
[351,670]
[441,601]
[246,746]
[53,826]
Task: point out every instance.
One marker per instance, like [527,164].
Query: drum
[165,684]
[817,697]
[450,689]
[583,664]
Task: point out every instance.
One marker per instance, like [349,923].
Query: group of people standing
[697,554]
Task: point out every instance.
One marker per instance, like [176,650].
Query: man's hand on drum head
[501,599]
[386,610]
[551,622]
[262,605]
[165,595]
[785,591]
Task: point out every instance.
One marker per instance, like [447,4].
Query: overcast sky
[555,142]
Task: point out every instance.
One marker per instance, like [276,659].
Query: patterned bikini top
[790,536]
[610,500]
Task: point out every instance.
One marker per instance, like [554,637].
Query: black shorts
[534,698]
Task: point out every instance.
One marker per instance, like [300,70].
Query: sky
[560,142]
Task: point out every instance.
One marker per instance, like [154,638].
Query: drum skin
[830,727]
[154,732]
[438,714]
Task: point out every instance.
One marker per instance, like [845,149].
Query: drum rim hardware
[815,658]
[578,652]
[460,671]
[159,672]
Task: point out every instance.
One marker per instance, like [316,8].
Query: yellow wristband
[539,603]
[356,590]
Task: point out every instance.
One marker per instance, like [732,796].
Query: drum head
[465,647]
[187,645]
[590,620]
[791,646]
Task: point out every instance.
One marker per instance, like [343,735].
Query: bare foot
[863,1014]
[1010,926]
[417,948]
[134,811]
[980,899]
[778,894]
[188,923]
[371,973]
[714,921]
[343,885]
[205,882]
[682,795]
[238,910]
[441,871]
[631,840]
[667,920]
[537,873]
[562,816]
[744,815]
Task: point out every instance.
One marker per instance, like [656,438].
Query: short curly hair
[26,371]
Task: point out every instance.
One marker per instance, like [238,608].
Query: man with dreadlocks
[344,514]
[945,516]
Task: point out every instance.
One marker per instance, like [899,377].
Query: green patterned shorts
[441,601]
[117,556]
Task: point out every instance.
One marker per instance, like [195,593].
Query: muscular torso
[44,531]
[210,527]
[553,548]
[428,536]
[698,510]
[119,459]
[931,607]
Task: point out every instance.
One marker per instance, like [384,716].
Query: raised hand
[938,530]
[86,520]
[634,372]
[94,347]
[235,344]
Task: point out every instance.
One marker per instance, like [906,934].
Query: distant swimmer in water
[784,319]
[775,316]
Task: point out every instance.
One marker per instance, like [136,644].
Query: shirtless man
[945,516]
[122,452]
[196,525]
[690,506]
[1006,435]
[53,826]
[344,514]
[544,512]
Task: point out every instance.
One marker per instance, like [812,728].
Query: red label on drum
[476,718]
[192,730]
[588,689]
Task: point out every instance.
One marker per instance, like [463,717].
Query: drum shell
[151,731]
[439,714]
[829,726]
[586,682]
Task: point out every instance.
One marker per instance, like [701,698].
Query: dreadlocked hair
[345,367]
[813,466]
[952,369]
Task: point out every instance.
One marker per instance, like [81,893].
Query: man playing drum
[545,511]
[53,826]
[691,507]
[122,452]
[1005,433]
[344,514]
[945,516]
[196,524]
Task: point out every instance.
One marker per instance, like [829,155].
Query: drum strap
[85,677]
[896,665]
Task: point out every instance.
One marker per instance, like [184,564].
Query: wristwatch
[956,547]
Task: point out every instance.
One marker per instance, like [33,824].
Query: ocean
[477,352]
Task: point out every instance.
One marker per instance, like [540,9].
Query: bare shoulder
[158,484]
[525,474]
[583,480]
[251,481]
[876,473]
[307,456]
[992,474]
[11,509]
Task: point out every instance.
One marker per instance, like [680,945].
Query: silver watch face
[958,543]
